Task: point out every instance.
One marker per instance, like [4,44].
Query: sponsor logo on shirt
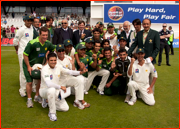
[26,34]
[137,71]
[154,70]
[51,77]
[41,55]
[37,49]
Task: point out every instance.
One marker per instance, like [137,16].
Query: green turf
[105,111]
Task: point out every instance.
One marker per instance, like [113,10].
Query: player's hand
[116,74]
[108,85]
[114,47]
[63,88]
[29,69]
[132,60]
[151,59]
[94,56]
[83,36]
[101,55]
[111,37]
[149,90]
[84,71]
[99,62]
[113,65]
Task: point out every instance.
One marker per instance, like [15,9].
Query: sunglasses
[64,23]
[60,50]
[164,26]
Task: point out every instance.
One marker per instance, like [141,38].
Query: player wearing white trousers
[147,98]
[92,74]
[51,94]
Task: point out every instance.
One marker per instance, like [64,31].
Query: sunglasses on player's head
[61,50]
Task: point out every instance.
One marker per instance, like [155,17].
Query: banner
[176,43]
[157,13]
[7,41]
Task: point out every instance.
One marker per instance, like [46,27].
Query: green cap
[88,40]
[59,46]
[81,46]
[140,50]
[36,74]
[67,42]
[122,38]
[110,24]
[28,17]
[100,23]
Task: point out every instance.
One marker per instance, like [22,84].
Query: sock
[29,98]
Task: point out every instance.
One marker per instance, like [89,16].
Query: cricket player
[50,86]
[85,59]
[34,53]
[93,73]
[22,37]
[140,70]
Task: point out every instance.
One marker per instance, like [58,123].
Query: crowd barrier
[9,42]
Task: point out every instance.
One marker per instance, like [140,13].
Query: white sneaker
[132,102]
[85,92]
[100,92]
[29,103]
[44,103]
[79,105]
[38,99]
[23,94]
[52,116]
[128,96]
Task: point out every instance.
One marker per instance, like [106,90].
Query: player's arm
[111,81]
[16,40]
[130,67]
[46,77]
[26,53]
[94,64]
[156,46]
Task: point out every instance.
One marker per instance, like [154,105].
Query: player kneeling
[140,70]
[50,88]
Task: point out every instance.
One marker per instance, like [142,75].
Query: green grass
[105,111]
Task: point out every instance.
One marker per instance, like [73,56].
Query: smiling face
[123,55]
[107,54]
[146,24]
[52,62]
[43,36]
[140,56]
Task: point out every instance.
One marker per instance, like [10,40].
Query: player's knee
[151,103]
[130,84]
[29,83]
[51,91]
[63,109]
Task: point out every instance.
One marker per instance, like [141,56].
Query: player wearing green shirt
[113,83]
[34,53]
[93,73]
[85,59]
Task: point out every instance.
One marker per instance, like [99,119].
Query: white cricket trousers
[77,83]
[22,78]
[92,74]
[54,103]
[147,98]
[83,81]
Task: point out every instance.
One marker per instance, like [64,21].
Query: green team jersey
[106,65]
[87,61]
[90,53]
[36,51]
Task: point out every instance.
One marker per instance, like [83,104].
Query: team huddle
[109,62]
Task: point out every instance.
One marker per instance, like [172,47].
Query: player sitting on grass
[93,73]
[140,70]
[113,83]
